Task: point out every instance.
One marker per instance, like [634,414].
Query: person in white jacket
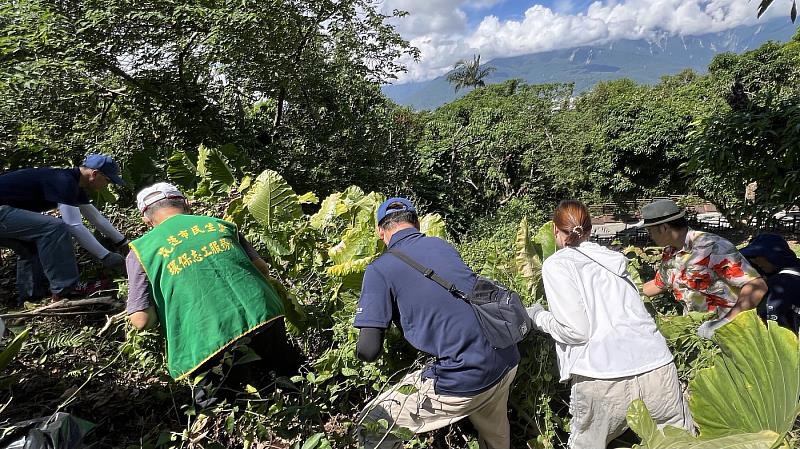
[607,344]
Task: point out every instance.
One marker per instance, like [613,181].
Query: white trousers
[599,406]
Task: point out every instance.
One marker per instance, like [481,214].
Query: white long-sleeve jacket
[597,318]
[72,217]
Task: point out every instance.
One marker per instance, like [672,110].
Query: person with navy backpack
[467,377]
[772,257]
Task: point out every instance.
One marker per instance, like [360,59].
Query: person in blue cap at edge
[467,376]
[43,243]
[772,257]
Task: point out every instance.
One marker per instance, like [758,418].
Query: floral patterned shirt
[706,274]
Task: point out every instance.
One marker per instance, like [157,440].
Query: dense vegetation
[271,114]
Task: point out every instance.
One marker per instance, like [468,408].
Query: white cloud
[438,27]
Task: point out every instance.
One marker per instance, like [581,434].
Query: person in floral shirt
[702,269]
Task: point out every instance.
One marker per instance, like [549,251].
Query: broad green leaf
[747,399]
[181,170]
[358,248]
[327,211]
[357,243]
[352,194]
[641,422]
[433,225]
[407,389]
[247,181]
[212,167]
[546,240]
[313,441]
[12,349]
[403,433]
[276,243]
[754,384]
[363,210]
[308,198]
[528,260]
[271,200]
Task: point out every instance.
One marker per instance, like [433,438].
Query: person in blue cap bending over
[773,258]
[467,377]
[42,242]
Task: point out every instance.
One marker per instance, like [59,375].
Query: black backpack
[501,315]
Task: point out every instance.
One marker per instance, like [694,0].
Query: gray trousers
[43,246]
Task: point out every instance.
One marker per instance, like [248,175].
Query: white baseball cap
[156,192]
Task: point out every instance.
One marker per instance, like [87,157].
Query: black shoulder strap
[428,273]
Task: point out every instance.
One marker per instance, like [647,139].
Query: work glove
[707,329]
[113,260]
[533,311]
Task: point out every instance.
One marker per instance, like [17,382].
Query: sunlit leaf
[433,225]
[12,349]
[271,200]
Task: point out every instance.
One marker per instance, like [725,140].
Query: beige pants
[599,406]
[424,410]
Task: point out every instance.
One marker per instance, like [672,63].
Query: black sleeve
[370,342]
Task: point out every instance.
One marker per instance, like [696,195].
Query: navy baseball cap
[766,245]
[105,165]
[383,209]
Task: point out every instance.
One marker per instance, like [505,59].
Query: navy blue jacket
[432,319]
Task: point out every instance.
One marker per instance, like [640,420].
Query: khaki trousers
[424,410]
[599,406]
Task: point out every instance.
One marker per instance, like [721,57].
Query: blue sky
[448,30]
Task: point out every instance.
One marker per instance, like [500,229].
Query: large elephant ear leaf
[359,246]
[754,384]
[642,423]
[181,170]
[433,225]
[213,169]
[327,212]
[271,200]
[747,399]
[546,240]
[527,258]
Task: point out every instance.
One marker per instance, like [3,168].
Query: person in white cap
[702,269]
[42,243]
[202,282]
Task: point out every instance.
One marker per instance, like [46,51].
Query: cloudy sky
[448,30]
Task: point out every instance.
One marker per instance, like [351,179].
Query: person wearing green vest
[206,286]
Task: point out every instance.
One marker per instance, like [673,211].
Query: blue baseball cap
[105,165]
[383,209]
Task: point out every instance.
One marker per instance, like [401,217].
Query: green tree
[468,73]
[158,77]
[482,150]
[754,134]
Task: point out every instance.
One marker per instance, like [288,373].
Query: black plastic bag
[59,431]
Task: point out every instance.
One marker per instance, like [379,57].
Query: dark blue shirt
[783,298]
[432,319]
[42,189]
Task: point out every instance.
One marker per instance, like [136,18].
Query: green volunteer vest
[206,291]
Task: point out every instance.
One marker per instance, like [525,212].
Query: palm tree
[469,73]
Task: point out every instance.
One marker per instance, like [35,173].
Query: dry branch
[64,305]
[111,321]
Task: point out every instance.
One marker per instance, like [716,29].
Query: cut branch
[63,307]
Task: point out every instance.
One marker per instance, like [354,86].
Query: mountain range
[644,61]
